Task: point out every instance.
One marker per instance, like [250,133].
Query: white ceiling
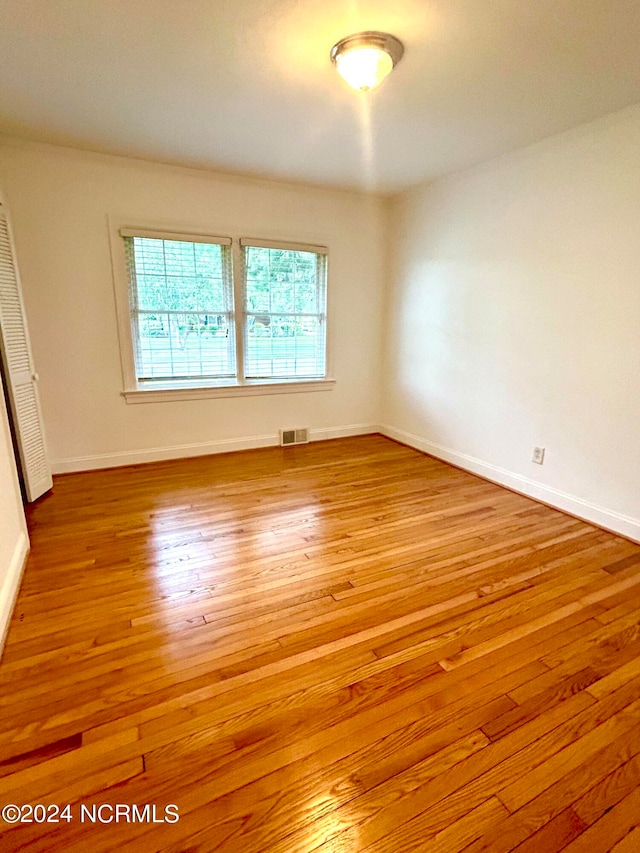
[247,85]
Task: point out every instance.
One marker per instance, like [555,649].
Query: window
[181,298]
[195,320]
[284,312]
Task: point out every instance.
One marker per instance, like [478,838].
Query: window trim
[136,391]
[246,389]
[240,287]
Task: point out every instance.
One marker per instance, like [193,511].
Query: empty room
[320,426]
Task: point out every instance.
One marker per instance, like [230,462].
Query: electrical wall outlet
[538,455]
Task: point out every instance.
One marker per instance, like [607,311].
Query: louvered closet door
[19,372]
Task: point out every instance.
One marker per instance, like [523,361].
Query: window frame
[320,251]
[147,391]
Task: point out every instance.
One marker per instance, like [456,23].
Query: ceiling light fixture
[365,59]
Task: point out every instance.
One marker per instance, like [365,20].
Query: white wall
[59,201]
[514,320]
[14,542]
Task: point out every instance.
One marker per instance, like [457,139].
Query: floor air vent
[294,436]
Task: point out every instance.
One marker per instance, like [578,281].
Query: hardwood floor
[340,647]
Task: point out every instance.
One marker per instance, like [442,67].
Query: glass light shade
[364,67]
[364,59]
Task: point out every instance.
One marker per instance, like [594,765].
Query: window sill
[249,389]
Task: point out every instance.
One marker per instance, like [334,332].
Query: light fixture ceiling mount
[365,59]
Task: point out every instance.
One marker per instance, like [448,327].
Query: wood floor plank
[629,844]
[523,790]
[611,828]
[343,646]
[554,835]
[619,757]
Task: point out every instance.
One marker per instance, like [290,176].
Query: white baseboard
[602,517]
[343,432]
[11,585]
[181,451]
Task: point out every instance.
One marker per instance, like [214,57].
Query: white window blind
[285,311]
[181,304]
